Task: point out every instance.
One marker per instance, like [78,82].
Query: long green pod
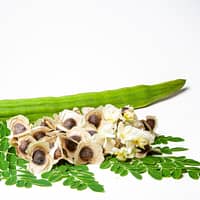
[136,96]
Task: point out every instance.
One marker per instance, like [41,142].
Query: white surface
[63,47]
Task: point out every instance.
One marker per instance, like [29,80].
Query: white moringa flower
[107,129]
[123,153]
[130,133]
[111,113]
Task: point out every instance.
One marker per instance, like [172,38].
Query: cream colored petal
[111,113]
[108,145]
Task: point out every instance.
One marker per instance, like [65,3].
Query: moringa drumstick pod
[137,96]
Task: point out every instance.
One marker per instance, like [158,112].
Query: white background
[52,48]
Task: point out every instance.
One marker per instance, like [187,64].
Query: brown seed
[39,157]
[76,138]
[92,132]
[95,120]
[23,146]
[57,154]
[69,123]
[86,154]
[39,135]
[19,128]
[151,123]
[70,145]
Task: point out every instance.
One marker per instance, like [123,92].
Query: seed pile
[82,136]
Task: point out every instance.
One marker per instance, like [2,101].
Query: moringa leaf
[105,164]
[136,174]
[6,174]
[166,172]
[69,180]
[20,183]
[175,139]
[155,173]
[166,150]
[177,173]
[149,160]
[28,184]
[178,149]
[4,144]
[11,180]
[21,162]
[194,175]
[123,172]
[96,187]
[82,186]
[191,162]
[41,182]
[4,164]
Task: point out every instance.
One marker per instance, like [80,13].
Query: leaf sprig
[77,177]
[158,166]
[161,139]
[13,170]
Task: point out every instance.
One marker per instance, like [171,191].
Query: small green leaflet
[168,150]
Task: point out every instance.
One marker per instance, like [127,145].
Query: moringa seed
[19,128]
[69,123]
[92,132]
[39,135]
[151,123]
[39,157]
[95,120]
[86,154]
[23,146]
[70,145]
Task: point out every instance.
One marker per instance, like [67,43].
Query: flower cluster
[82,136]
